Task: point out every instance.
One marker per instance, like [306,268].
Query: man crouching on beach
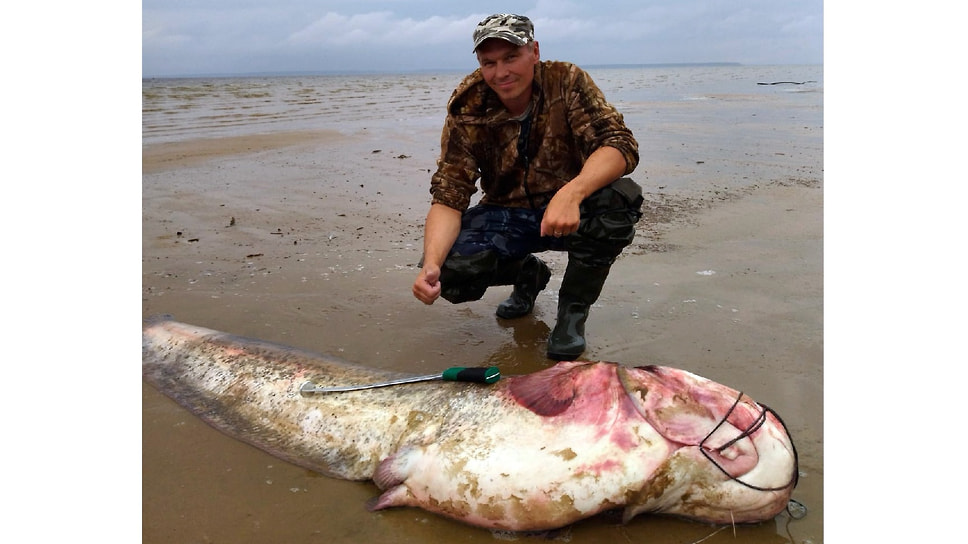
[550,153]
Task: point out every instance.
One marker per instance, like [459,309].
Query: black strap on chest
[524,137]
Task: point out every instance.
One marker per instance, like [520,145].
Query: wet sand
[312,239]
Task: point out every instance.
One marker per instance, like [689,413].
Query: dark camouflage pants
[492,236]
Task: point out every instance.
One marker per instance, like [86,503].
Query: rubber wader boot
[532,277]
[580,288]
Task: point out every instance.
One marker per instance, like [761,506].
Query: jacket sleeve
[455,180]
[596,123]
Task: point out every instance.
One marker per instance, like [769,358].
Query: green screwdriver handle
[488,375]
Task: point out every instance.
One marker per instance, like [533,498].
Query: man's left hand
[562,215]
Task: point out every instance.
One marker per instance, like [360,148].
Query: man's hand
[427,285]
[562,215]
[442,228]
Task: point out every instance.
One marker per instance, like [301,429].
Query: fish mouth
[734,459]
[728,419]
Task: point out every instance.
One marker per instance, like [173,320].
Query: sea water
[749,121]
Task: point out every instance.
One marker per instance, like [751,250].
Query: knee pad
[464,278]
[608,219]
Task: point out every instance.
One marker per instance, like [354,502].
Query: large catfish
[531,452]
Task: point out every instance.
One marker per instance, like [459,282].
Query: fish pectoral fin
[549,392]
[395,496]
[396,468]
[387,474]
[390,476]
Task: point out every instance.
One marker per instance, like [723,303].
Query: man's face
[509,70]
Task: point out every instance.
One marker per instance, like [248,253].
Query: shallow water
[189,108]
[748,131]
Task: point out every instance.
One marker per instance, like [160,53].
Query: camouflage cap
[516,29]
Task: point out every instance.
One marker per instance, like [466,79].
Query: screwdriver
[486,375]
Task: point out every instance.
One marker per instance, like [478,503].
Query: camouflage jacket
[570,119]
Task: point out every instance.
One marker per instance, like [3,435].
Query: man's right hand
[442,228]
[427,285]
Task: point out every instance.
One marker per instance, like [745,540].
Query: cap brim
[511,38]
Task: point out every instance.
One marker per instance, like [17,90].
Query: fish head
[732,459]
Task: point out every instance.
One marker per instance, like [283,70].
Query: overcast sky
[195,37]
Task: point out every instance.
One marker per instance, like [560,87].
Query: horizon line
[291,73]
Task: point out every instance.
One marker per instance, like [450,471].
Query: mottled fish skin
[249,390]
[530,452]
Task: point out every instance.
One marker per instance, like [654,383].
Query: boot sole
[515,315]
[558,356]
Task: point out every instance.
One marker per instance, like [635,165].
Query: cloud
[380,29]
[245,36]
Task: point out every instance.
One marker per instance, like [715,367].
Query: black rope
[757,423]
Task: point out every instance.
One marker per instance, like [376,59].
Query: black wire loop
[754,426]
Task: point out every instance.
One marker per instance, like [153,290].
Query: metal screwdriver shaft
[485,375]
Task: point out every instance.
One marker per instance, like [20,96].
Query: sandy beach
[310,238]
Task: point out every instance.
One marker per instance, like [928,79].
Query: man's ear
[537,53]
